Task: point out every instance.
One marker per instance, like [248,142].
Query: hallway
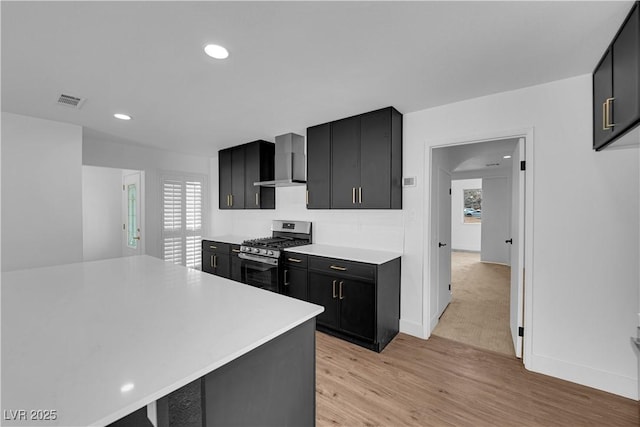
[478,314]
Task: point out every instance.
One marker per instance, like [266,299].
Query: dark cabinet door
[295,283]
[374,191]
[323,291]
[237,177]
[319,167]
[216,263]
[602,93]
[259,166]
[224,178]
[235,268]
[626,75]
[251,175]
[345,162]
[357,307]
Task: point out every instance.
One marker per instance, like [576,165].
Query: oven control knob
[256,250]
[270,253]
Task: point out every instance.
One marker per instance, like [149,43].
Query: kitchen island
[89,343]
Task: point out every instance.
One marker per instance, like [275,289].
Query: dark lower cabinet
[361,300]
[322,291]
[235,264]
[215,258]
[295,276]
[356,300]
[616,84]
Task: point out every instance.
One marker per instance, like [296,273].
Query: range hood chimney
[289,162]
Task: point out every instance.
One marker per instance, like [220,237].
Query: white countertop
[228,238]
[346,253]
[73,335]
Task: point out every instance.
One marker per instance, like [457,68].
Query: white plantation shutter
[182,213]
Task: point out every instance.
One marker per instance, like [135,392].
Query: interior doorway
[498,163]
[105,205]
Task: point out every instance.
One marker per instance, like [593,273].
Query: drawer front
[295,260]
[343,267]
[235,249]
[219,247]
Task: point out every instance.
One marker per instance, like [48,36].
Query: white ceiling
[292,64]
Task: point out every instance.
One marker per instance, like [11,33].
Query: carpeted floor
[478,314]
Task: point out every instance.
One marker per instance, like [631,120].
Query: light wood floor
[439,382]
[479,310]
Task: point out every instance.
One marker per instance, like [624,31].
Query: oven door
[260,272]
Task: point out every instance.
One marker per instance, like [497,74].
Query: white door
[495,220]
[131,215]
[443,245]
[517,248]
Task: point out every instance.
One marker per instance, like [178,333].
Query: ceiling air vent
[70,101]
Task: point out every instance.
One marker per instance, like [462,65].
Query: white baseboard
[412,328]
[584,375]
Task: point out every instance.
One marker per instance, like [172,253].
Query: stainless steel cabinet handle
[215,261]
[286,282]
[336,267]
[360,195]
[334,289]
[307,196]
[294,260]
[235,250]
[211,261]
[257,199]
[341,296]
[213,247]
[231,198]
[353,195]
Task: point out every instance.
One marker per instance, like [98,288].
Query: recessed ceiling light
[506,157]
[216,51]
[127,387]
[122,116]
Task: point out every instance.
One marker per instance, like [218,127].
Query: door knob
[440,244]
[509,241]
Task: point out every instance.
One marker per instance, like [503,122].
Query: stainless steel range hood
[289,162]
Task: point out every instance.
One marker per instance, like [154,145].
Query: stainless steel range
[261,259]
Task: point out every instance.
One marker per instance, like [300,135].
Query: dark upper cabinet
[239,167]
[345,163]
[616,84]
[356,162]
[319,170]
[259,166]
[237,177]
[224,178]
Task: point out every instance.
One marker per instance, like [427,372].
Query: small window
[472,211]
[132,229]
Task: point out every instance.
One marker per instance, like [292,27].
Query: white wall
[101,212]
[496,219]
[107,151]
[584,275]
[41,192]
[464,236]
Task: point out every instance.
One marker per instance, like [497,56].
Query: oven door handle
[262,260]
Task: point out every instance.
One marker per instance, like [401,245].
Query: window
[182,211]
[472,210]
[132,219]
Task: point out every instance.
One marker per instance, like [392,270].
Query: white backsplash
[371,229]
